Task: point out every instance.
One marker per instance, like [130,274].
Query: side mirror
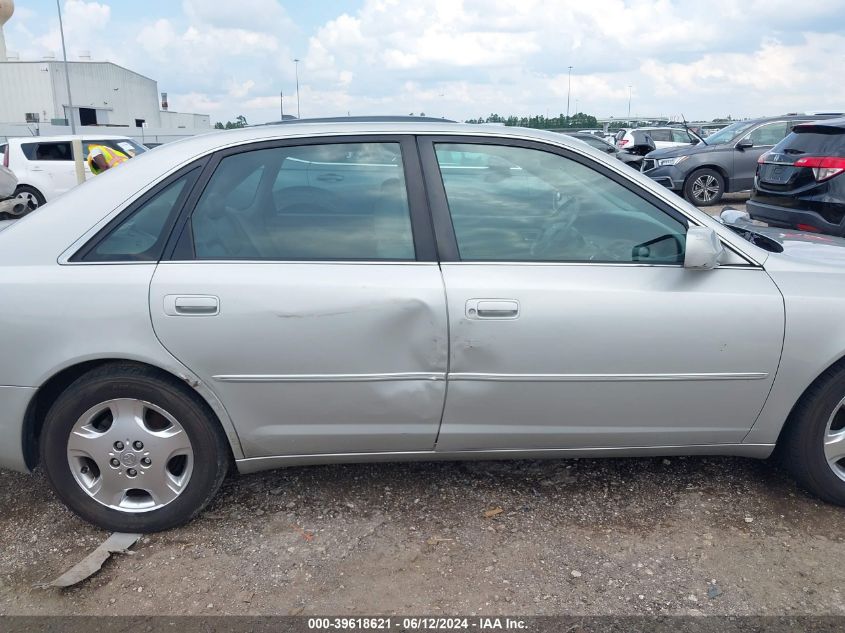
[745,143]
[730,215]
[703,249]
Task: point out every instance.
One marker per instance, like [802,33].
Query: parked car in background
[800,182]
[608,148]
[44,166]
[724,162]
[662,136]
[9,205]
[345,292]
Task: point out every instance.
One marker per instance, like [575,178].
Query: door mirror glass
[745,143]
[703,248]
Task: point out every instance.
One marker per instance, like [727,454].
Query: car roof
[214,140]
[838,123]
[68,137]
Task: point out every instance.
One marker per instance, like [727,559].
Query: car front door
[317,314]
[572,320]
[749,148]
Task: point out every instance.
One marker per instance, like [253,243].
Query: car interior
[344,201]
[516,204]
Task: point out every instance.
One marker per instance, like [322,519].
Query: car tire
[131,449]
[808,448]
[704,187]
[31,197]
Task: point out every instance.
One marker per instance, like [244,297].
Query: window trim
[180,247]
[36,144]
[195,168]
[447,243]
[748,134]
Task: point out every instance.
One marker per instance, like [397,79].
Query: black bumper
[787,218]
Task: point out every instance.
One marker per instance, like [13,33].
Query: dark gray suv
[724,162]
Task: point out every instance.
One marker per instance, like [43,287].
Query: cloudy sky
[461,58]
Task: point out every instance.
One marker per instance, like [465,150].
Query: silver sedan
[345,292]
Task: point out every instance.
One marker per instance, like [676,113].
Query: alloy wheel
[834,440]
[130,455]
[705,188]
[29,203]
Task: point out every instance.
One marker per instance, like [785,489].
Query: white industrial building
[34,98]
[103,94]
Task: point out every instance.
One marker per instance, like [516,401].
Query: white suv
[44,165]
[662,137]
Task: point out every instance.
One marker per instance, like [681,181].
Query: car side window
[47,151]
[660,135]
[681,136]
[127,147]
[533,205]
[769,134]
[141,236]
[341,201]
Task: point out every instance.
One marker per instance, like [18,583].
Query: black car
[600,144]
[799,183]
[723,162]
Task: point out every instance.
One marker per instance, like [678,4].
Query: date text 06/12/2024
[417,624]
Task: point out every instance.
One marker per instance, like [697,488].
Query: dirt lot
[621,536]
[735,200]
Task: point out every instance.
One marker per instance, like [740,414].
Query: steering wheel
[560,233]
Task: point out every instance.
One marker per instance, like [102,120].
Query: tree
[540,122]
[239,122]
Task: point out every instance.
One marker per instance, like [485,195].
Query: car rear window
[660,135]
[818,140]
[47,151]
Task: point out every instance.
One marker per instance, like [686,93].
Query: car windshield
[726,135]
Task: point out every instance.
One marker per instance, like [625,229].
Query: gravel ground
[735,200]
[615,536]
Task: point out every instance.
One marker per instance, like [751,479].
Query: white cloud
[249,15]
[467,58]
[84,22]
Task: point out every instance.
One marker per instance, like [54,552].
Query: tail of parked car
[800,183]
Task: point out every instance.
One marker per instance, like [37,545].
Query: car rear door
[572,321]
[317,314]
[49,167]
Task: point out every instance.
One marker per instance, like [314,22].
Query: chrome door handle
[191,305]
[330,177]
[492,309]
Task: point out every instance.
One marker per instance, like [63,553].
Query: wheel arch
[26,185]
[825,374]
[56,384]
[715,167]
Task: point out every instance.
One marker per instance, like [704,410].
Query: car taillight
[6,157]
[807,227]
[622,143]
[824,167]
[762,158]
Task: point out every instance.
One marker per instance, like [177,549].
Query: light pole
[629,102]
[282,103]
[568,93]
[296,63]
[67,74]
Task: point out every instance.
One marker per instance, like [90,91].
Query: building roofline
[59,61]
